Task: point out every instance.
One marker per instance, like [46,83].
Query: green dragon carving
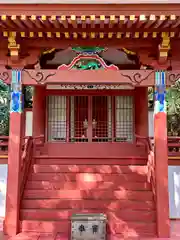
[87,65]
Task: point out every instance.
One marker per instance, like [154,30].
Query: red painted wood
[91,161]
[80,114]
[161,158]
[64,214]
[95,150]
[113,117]
[141,111]
[46,185]
[28,236]
[67,118]
[90,128]
[3,146]
[99,114]
[111,205]
[95,177]
[64,236]
[13,181]
[89,194]
[39,106]
[89,77]
[58,187]
[89,169]
[63,92]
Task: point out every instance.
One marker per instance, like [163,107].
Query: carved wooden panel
[129,77]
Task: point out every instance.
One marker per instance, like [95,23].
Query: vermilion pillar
[11,224]
[141,111]
[39,111]
[161,158]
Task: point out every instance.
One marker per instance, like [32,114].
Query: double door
[90,118]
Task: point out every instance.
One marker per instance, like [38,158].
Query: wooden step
[110,205]
[122,227]
[64,236]
[81,185]
[75,168]
[89,194]
[65,214]
[88,177]
[51,160]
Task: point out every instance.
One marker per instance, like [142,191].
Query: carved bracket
[127,77]
[138,77]
[173,78]
[5,75]
[40,77]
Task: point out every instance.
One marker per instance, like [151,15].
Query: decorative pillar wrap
[160,92]
[16,92]
[161,157]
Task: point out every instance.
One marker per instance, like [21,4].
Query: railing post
[11,224]
[39,112]
[161,157]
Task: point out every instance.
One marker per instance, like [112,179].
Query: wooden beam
[54,21]
[89,9]
[116,43]
[36,22]
[83,21]
[45,21]
[63,20]
[132,77]
[27,22]
[128,27]
[73,21]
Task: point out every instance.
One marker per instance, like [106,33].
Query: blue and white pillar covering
[161,156]
[16,92]
[14,155]
[160,92]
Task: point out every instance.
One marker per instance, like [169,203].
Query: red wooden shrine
[90,67]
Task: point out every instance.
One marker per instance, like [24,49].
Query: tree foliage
[5,102]
[4,109]
[173,110]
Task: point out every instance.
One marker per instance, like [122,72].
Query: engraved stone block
[88,226]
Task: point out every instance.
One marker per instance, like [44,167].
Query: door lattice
[97,118]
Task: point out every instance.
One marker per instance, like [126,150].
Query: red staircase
[58,187]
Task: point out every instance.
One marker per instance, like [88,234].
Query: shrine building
[90,66]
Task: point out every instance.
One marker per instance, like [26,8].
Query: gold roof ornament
[48,51]
[128,52]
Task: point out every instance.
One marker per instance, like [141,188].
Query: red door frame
[90,94]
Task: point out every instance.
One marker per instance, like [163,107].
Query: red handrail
[26,159]
[146,141]
[28,148]
[173,143]
[174,146]
[4,144]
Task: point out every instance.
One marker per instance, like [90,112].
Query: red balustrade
[173,145]
[4,145]
[147,142]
